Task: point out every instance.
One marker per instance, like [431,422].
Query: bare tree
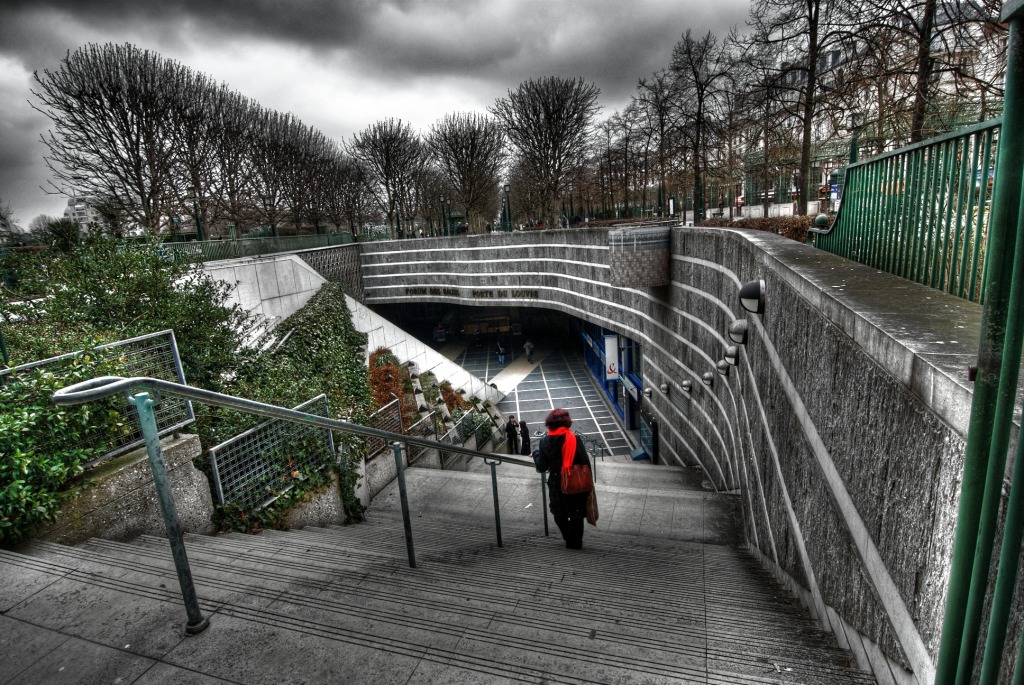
[701,69]
[928,65]
[469,149]
[112,135]
[40,224]
[233,157]
[799,34]
[657,98]
[391,154]
[548,120]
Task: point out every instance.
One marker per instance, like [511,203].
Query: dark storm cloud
[311,22]
[342,64]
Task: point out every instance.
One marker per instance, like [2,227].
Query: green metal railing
[144,393]
[212,250]
[961,654]
[921,212]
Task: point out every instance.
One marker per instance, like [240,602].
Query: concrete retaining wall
[118,500]
[843,424]
[275,286]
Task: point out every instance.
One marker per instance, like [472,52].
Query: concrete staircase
[342,605]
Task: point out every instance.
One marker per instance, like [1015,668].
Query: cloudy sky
[341,65]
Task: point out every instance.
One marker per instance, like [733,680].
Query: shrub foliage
[105,290]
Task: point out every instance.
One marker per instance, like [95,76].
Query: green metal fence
[212,250]
[921,212]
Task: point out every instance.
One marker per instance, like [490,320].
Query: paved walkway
[555,378]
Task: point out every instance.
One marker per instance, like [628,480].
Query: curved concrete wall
[842,427]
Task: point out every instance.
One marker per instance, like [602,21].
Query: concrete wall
[118,500]
[843,425]
[275,286]
[382,333]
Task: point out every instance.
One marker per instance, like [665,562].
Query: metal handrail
[140,393]
[105,386]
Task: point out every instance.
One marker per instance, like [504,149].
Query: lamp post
[855,126]
[572,209]
[444,224]
[508,211]
[448,216]
[197,218]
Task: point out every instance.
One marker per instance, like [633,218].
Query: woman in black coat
[524,439]
[569,511]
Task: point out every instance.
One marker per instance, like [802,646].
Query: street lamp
[195,215]
[444,224]
[507,211]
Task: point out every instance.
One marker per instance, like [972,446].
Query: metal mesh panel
[339,264]
[387,418]
[254,468]
[424,428]
[154,356]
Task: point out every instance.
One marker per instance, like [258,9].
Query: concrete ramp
[382,333]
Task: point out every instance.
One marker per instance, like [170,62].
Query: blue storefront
[617,363]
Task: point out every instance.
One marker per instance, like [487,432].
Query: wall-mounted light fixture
[708,378]
[664,388]
[752,296]
[687,386]
[723,367]
[738,331]
[647,392]
[732,355]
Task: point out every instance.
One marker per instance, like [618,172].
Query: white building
[81,210]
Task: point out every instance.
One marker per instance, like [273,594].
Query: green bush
[43,447]
[129,289]
[792,227]
[107,290]
[319,357]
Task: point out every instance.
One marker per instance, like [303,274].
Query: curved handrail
[140,391]
[105,386]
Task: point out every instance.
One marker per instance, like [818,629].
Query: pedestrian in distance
[512,435]
[528,349]
[501,353]
[524,439]
[558,450]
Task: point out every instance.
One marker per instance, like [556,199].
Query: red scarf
[568,447]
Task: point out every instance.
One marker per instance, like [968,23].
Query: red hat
[558,418]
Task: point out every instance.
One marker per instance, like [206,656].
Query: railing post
[404,497]
[995,387]
[147,421]
[544,499]
[493,463]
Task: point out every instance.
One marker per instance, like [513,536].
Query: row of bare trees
[783,99]
[152,141]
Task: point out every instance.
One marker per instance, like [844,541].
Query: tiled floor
[560,379]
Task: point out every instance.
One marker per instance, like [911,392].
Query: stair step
[604,643]
[342,603]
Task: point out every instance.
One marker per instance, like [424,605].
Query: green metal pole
[956,651]
[1006,578]
[151,434]
[403,496]
[494,490]
[544,499]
